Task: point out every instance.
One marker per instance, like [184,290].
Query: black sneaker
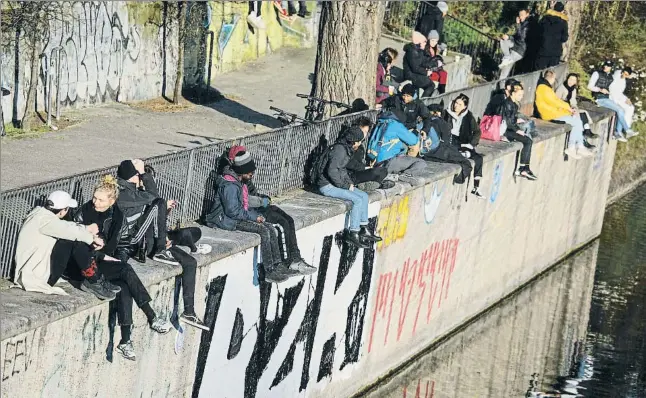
[193,320]
[109,286]
[527,173]
[98,289]
[302,267]
[353,238]
[476,192]
[589,134]
[366,234]
[304,14]
[166,257]
[588,145]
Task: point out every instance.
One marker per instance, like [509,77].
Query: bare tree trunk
[574,11]
[181,34]
[348,47]
[30,108]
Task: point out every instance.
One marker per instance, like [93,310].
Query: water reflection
[516,348]
[570,333]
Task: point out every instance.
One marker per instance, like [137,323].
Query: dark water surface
[578,330]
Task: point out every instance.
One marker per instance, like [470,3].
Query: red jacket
[381,87]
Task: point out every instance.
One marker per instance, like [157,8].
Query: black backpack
[319,165]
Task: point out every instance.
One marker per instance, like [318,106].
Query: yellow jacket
[549,105]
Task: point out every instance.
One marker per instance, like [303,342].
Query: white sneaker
[571,152]
[256,21]
[584,152]
[505,62]
[631,133]
[620,137]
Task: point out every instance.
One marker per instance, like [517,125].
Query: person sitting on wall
[384,88]
[102,212]
[465,136]
[498,97]
[599,84]
[415,61]
[47,245]
[361,173]
[435,62]
[519,128]
[410,111]
[568,93]
[438,147]
[395,74]
[617,88]
[333,180]
[239,208]
[145,213]
[551,107]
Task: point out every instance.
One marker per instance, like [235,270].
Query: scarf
[245,190]
[570,91]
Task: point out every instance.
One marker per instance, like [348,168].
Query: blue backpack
[376,140]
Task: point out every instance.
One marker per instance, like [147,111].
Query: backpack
[432,136]
[492,127]
[318,166]
[376,140]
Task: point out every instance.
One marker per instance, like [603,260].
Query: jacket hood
[228,171]
[542,80]
[556,14]
[410,47]
[123,184]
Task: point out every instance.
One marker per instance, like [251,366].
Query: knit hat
[234,151]
[418,38]
[243,164]
[408,90]
[126,170]
[559,7]
[443,6]
[433,35]
[353,134]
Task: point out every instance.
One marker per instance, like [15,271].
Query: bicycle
[315,109]
[286,118]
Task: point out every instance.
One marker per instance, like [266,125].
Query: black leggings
[526,152]
[151,226]
[269,245]
[186,237]
[255,7]
[476,157]
[122,275]
[75,257]
[448,154]
[377,174]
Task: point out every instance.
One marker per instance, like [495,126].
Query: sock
[150,314]
[476,183]
[189,310]
[125,333]
[586,126]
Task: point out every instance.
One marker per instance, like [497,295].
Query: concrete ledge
[23,311]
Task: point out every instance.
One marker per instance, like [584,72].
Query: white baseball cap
[61,200]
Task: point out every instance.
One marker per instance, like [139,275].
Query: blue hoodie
[394,138]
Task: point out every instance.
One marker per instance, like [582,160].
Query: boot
[589,134]
[353,238]
[365,234]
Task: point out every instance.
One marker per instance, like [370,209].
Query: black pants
[269,245]
[186,237]
[526,153]
[543,62]
[448,154]
[75,258]
[423,82]
[476,157]
[150,228]
[302,8]
[124,276]
[255,7]
[376,174]
[276,215]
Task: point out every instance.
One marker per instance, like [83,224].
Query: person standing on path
[554,35]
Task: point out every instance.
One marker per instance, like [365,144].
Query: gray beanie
[443,6]
[433,35]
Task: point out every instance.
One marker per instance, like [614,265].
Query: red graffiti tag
[429,391]
[429,277]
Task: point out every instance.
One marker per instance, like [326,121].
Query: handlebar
[321,100]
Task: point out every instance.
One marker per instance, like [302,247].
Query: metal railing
[401,17]
[282,157]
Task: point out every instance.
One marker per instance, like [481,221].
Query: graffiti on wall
[425,280]
[432,199]
[286,339]
[425,389]
[497,179]
[393,222]
[19,354]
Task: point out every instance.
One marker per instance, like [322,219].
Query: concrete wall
[127,51]
[443,261]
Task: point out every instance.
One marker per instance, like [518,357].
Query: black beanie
[559,7]
[243,164]
[408,90]
[353,134]
[126,170]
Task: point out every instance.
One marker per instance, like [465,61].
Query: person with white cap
[432,18]
[47,244]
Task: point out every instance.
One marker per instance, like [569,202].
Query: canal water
[577,330]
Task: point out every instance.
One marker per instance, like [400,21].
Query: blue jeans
[359,199]
[576,134]
[622,126]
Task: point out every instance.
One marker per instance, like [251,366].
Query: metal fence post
[283,158]
[189,180]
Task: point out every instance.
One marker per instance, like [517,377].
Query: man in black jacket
[145,212]
[359,172]
[519,129]
[513,48]
[335,182]
[554,34]
[432,18]
[411,112]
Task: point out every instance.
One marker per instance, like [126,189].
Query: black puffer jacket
[409,114]
[431,19]
[415,60]
[511,114]
[554,33]
[494,107]
[520,37]
[339,156]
